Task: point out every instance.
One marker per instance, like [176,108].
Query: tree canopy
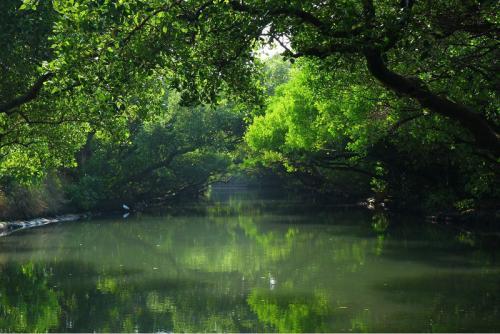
[380,87]
[416,50]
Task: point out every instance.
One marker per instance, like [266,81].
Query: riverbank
[7,228]
[485,221]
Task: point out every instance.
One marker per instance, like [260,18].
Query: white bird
[272,281]
[125,206]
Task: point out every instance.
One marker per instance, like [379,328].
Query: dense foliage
[174,154]
[324,127]
[399,98]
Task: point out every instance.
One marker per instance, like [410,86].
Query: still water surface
[244,262]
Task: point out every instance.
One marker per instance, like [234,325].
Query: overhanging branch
[31,94]
[484,134]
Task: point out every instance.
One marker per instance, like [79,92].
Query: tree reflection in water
[210,271]
[27,302]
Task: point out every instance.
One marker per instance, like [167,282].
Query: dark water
[247,263]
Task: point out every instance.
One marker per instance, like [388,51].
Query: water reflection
[287,311]
[27,302]
[245,264]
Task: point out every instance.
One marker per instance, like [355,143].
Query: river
[245,262]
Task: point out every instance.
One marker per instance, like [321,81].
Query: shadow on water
[412,240]
[439,256]
[13,247]
[467,302]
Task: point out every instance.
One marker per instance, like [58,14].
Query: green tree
[430,65]
[173,154]
[413,48]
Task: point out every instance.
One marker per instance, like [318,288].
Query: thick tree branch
[298,14]
[484,134]
[31,94]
